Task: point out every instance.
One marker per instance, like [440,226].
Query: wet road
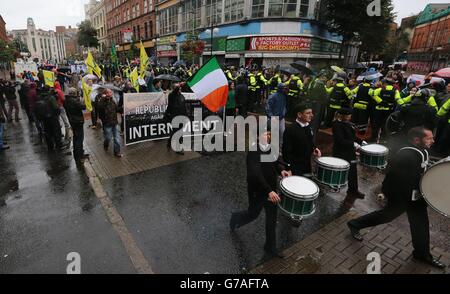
[179,216]
[49,211]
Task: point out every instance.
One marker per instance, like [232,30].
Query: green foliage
[87,35]
[349,19]
[7,52]
[20,45]
[134,51]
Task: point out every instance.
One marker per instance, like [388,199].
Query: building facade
[97,16]
[44,46]
[430,45]
[131,20]
[3,35]
[263,32]
[71,46]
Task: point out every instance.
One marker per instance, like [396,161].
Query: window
[275,7]
[34,44]
[191,14]
[304,7]
[169,20]
[214,11]
[258,8]
[138,10]
[138,32]
[233,10]
[145,30]
[145,6]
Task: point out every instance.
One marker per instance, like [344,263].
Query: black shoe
[86,156]
[5,147]
[272,252]
[180,153]
[431,261]
[356,194]
[355,233]
[233,224]
[105,147]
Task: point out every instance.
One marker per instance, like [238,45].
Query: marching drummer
[346,143]
[298,142]
[401,187]
[262,178]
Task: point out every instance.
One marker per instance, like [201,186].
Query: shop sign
[167,40]
[277,43]
[171,53]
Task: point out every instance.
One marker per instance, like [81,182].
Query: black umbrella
[289,70]
[358,65]
[168,78]
[303,66]
[179,63]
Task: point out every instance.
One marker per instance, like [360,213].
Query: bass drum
[435,187]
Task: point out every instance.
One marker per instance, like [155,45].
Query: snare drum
[297,197]
[332,171]
[435,187]
[374,155]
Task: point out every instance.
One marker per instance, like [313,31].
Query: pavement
[157,212]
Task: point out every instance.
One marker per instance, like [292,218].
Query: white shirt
[303,125]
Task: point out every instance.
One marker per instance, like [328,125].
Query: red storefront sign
[280,43]
[171,53]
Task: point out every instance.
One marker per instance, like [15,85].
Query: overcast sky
[50,13]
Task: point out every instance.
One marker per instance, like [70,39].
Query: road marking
[138,259]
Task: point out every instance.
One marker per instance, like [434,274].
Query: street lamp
[156,41]
[212,32]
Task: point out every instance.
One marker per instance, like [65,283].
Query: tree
[350,19]
[87,35]
[20,45]
[7,52]
[193,47]
[134,51]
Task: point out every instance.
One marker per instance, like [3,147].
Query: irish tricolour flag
[210,85]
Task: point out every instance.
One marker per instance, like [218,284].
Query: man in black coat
[345,145]
[74,108]
[262,178]
[176,107]
[242,96]
[401,188]
[298,142]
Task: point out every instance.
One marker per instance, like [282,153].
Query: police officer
[386,98]
[262,180]
[418,112]
[274,82]
[262,84]
[252,91]
[444,140]
[362,105]
[401,187]
[295,85]
[317,96]
[340,96]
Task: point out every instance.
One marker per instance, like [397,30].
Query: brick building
[71,40]
[128,20]
[430,45]
[3,29]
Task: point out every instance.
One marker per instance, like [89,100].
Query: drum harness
[416,195]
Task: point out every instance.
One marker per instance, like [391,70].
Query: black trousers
[353,178]
[360,118]
[379,122]
[78,138]
[94,114]
[257,202]
[319,112]
[418,221]
[52,133]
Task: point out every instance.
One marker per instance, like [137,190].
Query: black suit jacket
[298,146]
[344,135]
[262,176]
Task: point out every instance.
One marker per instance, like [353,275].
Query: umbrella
[90,77]
[111,87]
[337,69]
[370,75]
[303,66]
[179,63]
[358,65]
[289,70]
[168,78]
[443,73]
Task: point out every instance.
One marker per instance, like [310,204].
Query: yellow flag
[134,79]
[87,91]
[49,78]
[92,66]
[144,60]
